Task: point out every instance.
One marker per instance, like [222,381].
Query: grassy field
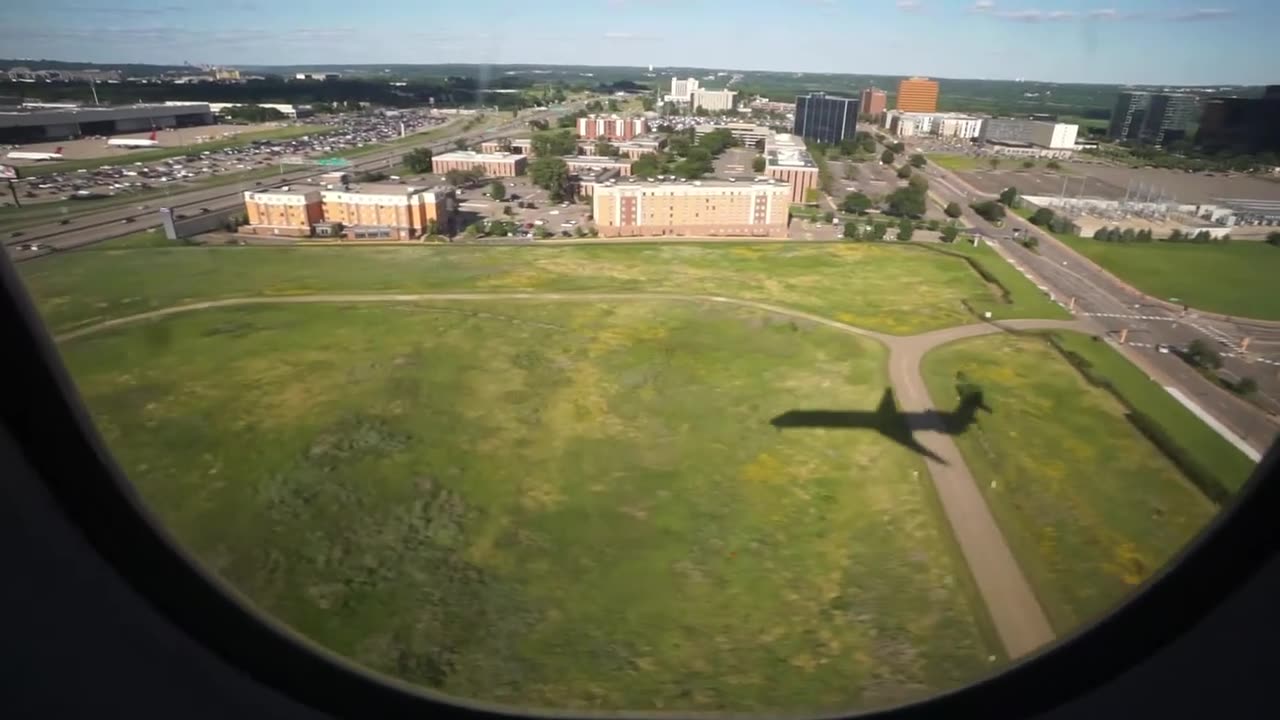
[1230,466]
[958,163]
[869,285]
[283,133]
[1024,300]
[556,505]
[1236,278]
[1090,507]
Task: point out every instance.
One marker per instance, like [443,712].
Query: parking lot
[118,177]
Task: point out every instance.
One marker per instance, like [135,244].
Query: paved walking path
[1018,617]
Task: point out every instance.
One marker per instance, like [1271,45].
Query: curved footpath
[1016,613]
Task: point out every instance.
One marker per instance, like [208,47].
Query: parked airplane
[20,155]
[134,142]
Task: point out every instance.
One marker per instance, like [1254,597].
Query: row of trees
[906,230]
[1046,218]
[1128,235]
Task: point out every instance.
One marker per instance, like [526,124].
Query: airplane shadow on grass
[887,420]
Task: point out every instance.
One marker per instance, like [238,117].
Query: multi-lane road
[122,220]
[1116,309]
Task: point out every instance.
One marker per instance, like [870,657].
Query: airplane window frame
[54,430]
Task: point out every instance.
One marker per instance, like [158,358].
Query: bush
[1054,165]
[905,229]
[905,202]
[1009,198]
[918,161]
[758,163]
[856,203]
[1028,164]
[904,172]
[933,224]
[887,157]
[950,233]
[1273,238]
[989,210]
[852,232]
[1041,217]
[953,210]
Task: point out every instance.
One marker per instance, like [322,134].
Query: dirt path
[1016,613]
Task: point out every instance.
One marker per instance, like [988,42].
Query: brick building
[611,127]
[787,160]
[700,208]
[290,211]
[500,164]
[873,101]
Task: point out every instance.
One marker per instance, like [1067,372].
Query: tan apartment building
[712,208]
[587,163]
[500,164]
[788,160]
[918,95]
[290,211]
[382,211]
[387,211]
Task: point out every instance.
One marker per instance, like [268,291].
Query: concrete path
[1016,613]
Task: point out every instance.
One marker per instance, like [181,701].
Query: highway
[1115,308]
[123,220]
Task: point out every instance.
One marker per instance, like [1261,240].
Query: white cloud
[983,6]
[619,35]
[909,5]
[1202,14]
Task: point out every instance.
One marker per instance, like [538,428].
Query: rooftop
[478,156]
[300,189]
[597,160]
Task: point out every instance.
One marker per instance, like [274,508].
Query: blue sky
[1131,41]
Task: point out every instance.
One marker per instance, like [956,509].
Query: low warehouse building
[27,125]
[501,164]
[587,163]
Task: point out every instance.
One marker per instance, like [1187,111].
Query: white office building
[713,99]
[682,90]
[947,125]
[1030,137]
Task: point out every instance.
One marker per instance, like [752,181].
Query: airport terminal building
[30,124]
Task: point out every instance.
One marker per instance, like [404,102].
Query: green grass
[864,284]
[550,504]
[957,163]
[1237,278]
[152,155]
[1090,507]
[153,238]
[1025,299]
[1230,466]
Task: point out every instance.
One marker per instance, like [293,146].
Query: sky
[1175,42]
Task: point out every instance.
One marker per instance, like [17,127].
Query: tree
[594,106]
[648,103]
[1273,238]
[1042,217]
[538,125]
[1028,164]
[647,165]
[460,145]
[1054,165]
[953,210]
[898,148]
[551,174]
[989,210]
[932,224]
[856,203]
[506,210]
[463,178]
[497,190]
[905,229]
[950,233]
[878,230]
[887,157]
[852,231]
[918,161]
[1009,198]
[612,105]
[1128,235]
[905,202]
[1200,354]
[606,149]
[417,160]
[758,163]
[828,216]
[994,163]
[919,183]
[1030,242]
[554,143]
[904,172]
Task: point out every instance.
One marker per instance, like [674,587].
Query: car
[64,221]
[16,233]
[1162,348]
[128,220]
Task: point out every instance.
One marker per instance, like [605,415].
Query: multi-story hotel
[501,164]
[708,208]
[375,211]
[918,94]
